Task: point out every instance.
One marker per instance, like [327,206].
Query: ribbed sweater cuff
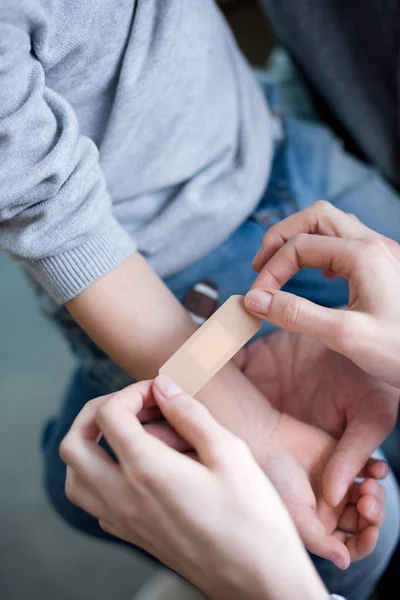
[67,274]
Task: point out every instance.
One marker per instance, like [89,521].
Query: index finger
[119,422]
[321,218]
[139,452]
[86,423]
[303,250]
[81,441]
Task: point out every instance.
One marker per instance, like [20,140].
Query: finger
[311,251]
[80,450]
[117,418]
[360,439]
[87,459]
[362,544]
[165,433]
[192,421]
[341,536]
[319,543]
[368,512]
[149,415]
[80,494]
[354,493]
[348,521]
[370,487]
[375,468]
[298,315]
[371,510]
[329,274]
[320,218]
[113,529]
[145,461]
[86,424]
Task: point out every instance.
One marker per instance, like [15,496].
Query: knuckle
[273,236]
[103,412]
[272,232]
[71,491]
[353,217]
[126,513]
[140,476]
[66,450]
[181,405]
[348,333]
[105,526]
[237,445]
[229,450]
[373,248]
[344,332]
[219,449]
[299,238]
[290,314]
[322,207]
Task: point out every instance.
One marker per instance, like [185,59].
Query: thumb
[190,419]
[295,314]
[359,441]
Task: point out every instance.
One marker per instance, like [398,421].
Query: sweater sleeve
[55,211]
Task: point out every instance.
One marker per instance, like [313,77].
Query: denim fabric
[309,164]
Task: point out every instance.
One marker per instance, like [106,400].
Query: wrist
[295,579]
[240,407]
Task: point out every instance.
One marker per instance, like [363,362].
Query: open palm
[304,379]
[296,459]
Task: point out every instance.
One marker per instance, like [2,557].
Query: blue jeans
[309,164]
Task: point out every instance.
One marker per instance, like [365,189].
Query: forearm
[133,317]
[298,580]
[279,569]
[138,322]
[273,578]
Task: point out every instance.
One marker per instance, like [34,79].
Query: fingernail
[385,470]
[167,387]
[258,301]
[341,493]
[340,562]
[373,507]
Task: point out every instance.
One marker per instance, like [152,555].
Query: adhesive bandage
[212,346]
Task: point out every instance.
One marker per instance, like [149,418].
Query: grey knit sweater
[123,124]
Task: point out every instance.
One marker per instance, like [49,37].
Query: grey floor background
[40,557]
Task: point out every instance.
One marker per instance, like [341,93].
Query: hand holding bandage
[170,505]
[322,237]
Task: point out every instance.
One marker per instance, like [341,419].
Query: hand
[310,382]
[218,522]
[294,458]
[368,332]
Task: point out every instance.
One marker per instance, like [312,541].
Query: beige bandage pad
[212,346]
